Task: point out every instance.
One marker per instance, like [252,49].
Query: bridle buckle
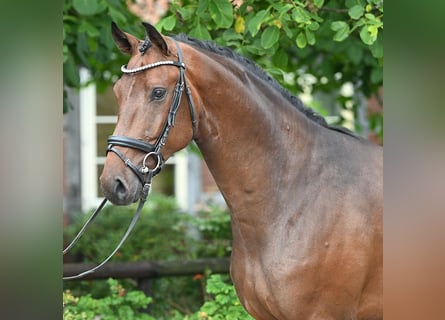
[145,169]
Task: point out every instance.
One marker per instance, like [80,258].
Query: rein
[143,172]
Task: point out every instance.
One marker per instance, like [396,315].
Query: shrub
[119,304]
[153,238]
[162,233]
[225,303]
[222,302]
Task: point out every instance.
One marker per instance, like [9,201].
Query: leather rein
[144,173]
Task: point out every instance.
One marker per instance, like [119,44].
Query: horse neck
[247,131]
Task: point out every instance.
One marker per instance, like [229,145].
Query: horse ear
[156,38]
[124,41]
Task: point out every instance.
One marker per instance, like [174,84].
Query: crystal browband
[152,65]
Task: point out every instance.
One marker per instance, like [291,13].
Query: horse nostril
[120,188]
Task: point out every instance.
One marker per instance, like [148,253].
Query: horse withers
[305,197]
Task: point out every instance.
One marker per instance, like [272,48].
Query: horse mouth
[118,191]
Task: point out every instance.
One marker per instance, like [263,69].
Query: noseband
[153,151]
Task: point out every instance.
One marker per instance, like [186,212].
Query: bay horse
[305,197]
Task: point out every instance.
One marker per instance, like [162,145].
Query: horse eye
[158,93]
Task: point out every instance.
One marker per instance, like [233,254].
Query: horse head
[151,124]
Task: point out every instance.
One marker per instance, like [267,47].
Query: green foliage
[335,41]
[87,41]
[215,233]
[163,232]
[222,302]
[118,304]
[157,235]
[160,234]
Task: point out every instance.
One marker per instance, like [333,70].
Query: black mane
[253,67]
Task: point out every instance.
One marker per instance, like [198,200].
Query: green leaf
[301,40]
[373,31]
[169,23]
[200,32]
[202,7]
[251,49]
[254,24]
[310,37]
[116,15]
[269,37]
[231,35]
[370,16]
[221,12]
[283,9]
[314,26]
[342,30]
[86,7]
[351,3]
[186,13]
[87,27]
[341,35]
[338,25]
[359,23]
[318,3]
[366,36]
[300,15]
[356,12]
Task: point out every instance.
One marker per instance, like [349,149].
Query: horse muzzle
[120,189]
